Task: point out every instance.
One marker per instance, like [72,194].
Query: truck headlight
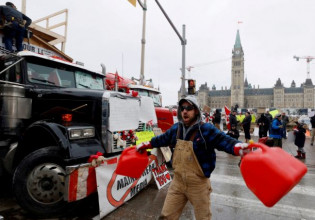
[79,133]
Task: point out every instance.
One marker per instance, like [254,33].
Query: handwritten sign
[144,136]
[161,176]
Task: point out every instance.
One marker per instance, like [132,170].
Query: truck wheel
[39,182]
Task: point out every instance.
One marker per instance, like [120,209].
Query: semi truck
[54,114]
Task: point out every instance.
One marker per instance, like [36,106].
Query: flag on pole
[133,2]
[227,116]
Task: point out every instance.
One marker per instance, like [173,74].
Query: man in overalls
[193,159]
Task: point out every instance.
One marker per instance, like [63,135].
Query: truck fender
[41,134]
[55,130]
[9,157]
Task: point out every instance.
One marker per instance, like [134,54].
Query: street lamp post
[183,42]
[182,39]
[144,8]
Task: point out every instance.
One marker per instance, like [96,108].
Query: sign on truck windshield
[85,80]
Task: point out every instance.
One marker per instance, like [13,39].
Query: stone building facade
[241,93]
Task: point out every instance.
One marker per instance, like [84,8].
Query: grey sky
[110,32]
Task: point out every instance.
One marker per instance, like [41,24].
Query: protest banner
[114,190]
[161,176]
[144,136]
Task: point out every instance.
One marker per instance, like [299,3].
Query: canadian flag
[227,115]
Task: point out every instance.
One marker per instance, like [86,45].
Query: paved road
[231,199]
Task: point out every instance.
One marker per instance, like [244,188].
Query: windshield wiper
[85,86]
[44,80]
[157,104]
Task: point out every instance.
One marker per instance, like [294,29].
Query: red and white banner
[161,176]
[114,190]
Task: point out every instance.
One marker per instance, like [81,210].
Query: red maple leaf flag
[227,116]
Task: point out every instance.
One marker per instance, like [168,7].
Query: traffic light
[191,87]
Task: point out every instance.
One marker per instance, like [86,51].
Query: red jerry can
[132,163]
[270,173]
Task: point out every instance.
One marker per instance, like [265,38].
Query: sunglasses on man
[188,108]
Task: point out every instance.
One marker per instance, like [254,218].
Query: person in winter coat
[313,129]
[269,117]
[299,133]
[233,132]
[246,126]
[276,131]
[217,119]
[233,120]
[285,121]
[264,125]
[14,26]
[194,159]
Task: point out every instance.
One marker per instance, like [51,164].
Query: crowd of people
[271,130]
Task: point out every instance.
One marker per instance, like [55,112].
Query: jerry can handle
[263,147]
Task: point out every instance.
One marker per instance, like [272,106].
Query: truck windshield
[63,76]
[155,96]
[85,80]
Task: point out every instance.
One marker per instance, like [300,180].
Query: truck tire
[39,182]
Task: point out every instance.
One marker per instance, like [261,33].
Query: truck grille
[141,127]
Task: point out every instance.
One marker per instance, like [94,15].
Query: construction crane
[308,60]
[207,63]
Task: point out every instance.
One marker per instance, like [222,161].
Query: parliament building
[241,93]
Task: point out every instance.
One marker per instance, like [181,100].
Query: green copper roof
[238,40]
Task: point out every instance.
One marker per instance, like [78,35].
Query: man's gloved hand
[241,149]
[143,146]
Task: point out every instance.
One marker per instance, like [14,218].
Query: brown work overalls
[189,183]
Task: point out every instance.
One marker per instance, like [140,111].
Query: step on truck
[54,114]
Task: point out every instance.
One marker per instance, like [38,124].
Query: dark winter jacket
[269,117]
[285,120]
[313,121]
[233,119]
[246,122]
[263,123]
[276,131]
[299,136]
[217,117]
[234,133]
[10,14]
[207,138]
